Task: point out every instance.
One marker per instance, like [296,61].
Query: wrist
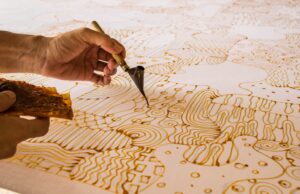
[22,53]
[37,56]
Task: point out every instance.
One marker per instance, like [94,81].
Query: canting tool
[136,73]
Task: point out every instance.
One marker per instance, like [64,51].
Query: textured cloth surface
[223,82]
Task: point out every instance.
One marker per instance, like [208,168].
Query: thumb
[93,37]
[7,99]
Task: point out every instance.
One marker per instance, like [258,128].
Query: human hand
[13,130]
[74,55]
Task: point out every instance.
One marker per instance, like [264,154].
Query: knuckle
[83,31]
[106,37]
[108,41]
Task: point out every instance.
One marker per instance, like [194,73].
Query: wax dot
[138,110]
[135,136]
[168,152]
[262,163]
[284,145]
[238,188]
[161,185]
[252,181]
[208,190]
[240,165]
[247,145]
[277,158]
[284,184]
[195,174]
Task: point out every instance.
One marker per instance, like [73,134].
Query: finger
[110,68]
[103,55]
[92,55]
[123,52]
[97,79]
[100,39]
[38,127]
[101,80]
[7,150]
[106,71]
[106,80]
[97,57]
[100,66]
[7,99]
[109,72]
[31,128]
[112,64]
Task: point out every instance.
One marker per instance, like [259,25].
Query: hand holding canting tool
[136,73]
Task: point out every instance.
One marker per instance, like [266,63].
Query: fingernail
[10,94]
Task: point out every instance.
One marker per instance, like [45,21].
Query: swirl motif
[293,172]
[144,135]
[294,154]
[264,187]
[267,145]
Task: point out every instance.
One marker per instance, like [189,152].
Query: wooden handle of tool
[119,59]
[97,27]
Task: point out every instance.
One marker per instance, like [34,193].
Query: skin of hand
[13,129]
[72,55]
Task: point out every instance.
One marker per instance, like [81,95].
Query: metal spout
[137,75]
